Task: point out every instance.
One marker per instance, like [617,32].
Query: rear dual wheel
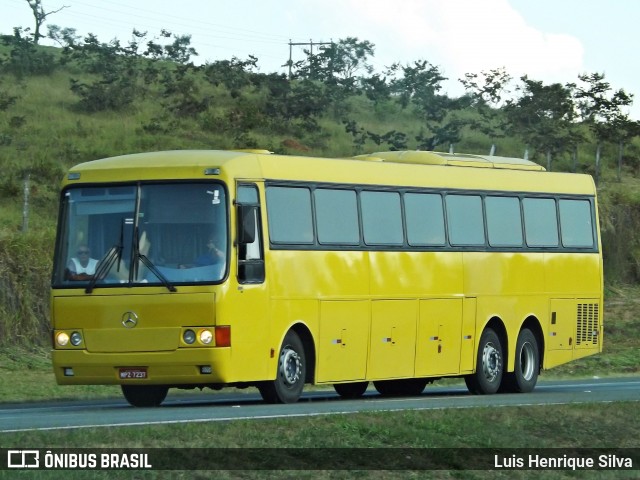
[525,374]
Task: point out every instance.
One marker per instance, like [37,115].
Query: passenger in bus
[82,267]
[213,255]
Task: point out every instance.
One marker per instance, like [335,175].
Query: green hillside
[60,107]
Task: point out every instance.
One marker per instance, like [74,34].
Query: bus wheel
[291,373]
[525,375]
[489,365]
[406,386]
[351,390]
[144,395]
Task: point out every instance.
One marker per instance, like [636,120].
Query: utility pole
[310,43]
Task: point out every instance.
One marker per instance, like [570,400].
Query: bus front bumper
[187,366]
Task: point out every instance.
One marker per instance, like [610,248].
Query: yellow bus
[193,269]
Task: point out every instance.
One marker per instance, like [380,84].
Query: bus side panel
[245,309]
[439,337]
[393,339]
[416,274]
[298,283]
[468,346]
[503,273]
[573,274]
[574,328]
[343,341]
[317,274]
[510,286]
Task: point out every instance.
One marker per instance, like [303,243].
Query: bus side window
[250,256]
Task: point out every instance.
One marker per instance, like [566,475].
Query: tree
[625,130]
[376,88]
[543,116]
[24,57]
[600,109]
[419,82]
[396,140]
[486,91]
[420,86]
[234,74]
[182,96]
[338,62]
[118,68]
[39,15]
[335,66]
[62,36]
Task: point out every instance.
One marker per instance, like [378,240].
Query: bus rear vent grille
[587,324]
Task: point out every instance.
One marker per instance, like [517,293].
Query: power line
[118,17]
[310,43]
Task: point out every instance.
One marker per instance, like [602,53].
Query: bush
[26,58]
[25,267]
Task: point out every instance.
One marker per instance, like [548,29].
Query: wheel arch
[309,349]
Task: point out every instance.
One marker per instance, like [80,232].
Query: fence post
[25,205]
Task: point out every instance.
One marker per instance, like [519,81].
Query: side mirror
[247,216]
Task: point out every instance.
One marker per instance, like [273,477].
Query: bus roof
[452,159]
[403,168]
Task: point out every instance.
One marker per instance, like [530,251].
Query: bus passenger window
[504,222]
[540,222]
[464,216]
[289,211]
[425,219]
[337,216]
[381,218]
[576,224]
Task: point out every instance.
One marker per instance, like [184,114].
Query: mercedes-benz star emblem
[129,319]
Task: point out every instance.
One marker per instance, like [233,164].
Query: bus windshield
[144,234]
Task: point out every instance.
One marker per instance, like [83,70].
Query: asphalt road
[211,407]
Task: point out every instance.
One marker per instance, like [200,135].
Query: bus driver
[82,267]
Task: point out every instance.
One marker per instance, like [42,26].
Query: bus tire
[351,390]
[527,366]
[406,386]
[489,365]
[144,395]
[290,375]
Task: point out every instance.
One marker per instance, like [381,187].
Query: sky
[548,40]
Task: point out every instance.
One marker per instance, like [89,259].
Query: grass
[536,427]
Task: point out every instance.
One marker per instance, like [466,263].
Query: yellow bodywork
[368,315]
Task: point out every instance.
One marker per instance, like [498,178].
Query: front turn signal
[223,336]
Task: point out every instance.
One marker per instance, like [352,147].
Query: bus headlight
[62,339]
[76,339]
[206,336]
[189,336]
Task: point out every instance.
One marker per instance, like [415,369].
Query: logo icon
[129,319]
[23,459]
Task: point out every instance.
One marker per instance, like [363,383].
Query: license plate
[133,373]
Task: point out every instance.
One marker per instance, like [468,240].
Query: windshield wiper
[138,255]
[153,269]
[114,253]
